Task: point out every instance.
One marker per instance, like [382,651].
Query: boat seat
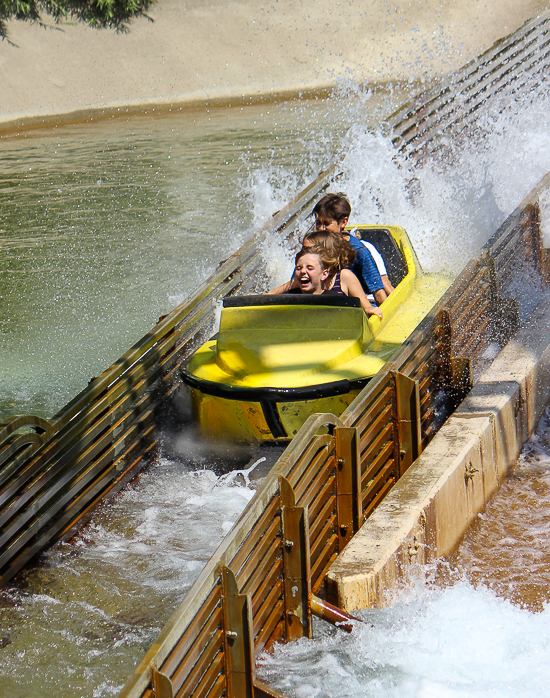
[324,299]
[391,254]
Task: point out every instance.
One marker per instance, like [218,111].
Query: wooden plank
[198,659]
[378,484]
[379,442]
[369,505]
[381,459]
[319,471]
[262,589]
[319,448]
[256,532]
[322,566]
[271,539]
[266,633]
[276,636]
[213,681]
[321,560]
[315,524]
[324,473]
[188,637]
[326,533]
[203,662]
[321,498]
[263,614]
[219,688]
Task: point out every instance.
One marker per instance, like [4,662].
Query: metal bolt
[231,635]
[343,529]
[289,544]
[341,462]
[469,472]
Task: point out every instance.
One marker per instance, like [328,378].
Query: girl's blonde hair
[327,257]
[331,241]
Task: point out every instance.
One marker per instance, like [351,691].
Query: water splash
[458,642]
[449,204]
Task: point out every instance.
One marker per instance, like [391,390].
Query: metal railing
[260,586]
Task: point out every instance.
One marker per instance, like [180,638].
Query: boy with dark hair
[332,213]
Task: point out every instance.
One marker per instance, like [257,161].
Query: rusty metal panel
[296,557]
[407,420]
[238,644]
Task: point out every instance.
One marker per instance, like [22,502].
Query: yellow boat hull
[252,422]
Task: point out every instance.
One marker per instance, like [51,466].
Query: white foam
[449,207]
[455,642]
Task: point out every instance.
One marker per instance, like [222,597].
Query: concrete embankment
[195,52]
[432,505]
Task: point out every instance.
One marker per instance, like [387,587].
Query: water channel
[104,227]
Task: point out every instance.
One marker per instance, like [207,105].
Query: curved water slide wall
[53,472]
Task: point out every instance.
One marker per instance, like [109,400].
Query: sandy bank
[199,50]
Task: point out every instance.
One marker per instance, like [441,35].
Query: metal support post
[348,484]
[161,684]
[504,311]
[238,642]
[457,370]
[296,564]
[408,420]
[533,232]
[332,614]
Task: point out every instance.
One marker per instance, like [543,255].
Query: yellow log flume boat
[279,358]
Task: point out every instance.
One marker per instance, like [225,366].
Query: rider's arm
[352,287]
[283,288]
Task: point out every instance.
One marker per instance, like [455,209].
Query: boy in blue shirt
[332,213]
